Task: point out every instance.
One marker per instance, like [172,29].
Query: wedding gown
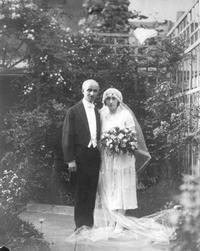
[117,179]
[117,190]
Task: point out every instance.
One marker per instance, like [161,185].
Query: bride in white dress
[117,191]
[117,178]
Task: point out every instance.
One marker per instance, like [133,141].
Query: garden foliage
[56,62]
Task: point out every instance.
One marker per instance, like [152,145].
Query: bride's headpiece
[112,92]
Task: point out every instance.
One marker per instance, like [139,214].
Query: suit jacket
[76,130]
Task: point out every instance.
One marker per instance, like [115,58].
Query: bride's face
[111,103]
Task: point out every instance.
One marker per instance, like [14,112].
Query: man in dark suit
[81,131]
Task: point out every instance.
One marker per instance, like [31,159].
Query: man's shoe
[80,229]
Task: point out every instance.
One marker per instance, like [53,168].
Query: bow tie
[90,105]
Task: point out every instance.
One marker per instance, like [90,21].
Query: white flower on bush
[29,33]
[31,6]
[44,59]
[156,132]
[30,36]
[163,123]
[10,188]
[15,15]
[68,29]
[5,192]
[173,116]
[2,16]
[9,200]
[58,77]
[42,147]
[28,89]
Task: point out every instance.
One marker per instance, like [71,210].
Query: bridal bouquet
[118,140]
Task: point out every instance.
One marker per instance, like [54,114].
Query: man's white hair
[89,81]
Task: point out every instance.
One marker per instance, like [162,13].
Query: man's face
[90,91]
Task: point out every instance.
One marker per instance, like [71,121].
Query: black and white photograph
[99,125]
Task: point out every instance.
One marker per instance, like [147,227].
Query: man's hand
[72,167]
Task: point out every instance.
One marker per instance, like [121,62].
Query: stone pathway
[56,223]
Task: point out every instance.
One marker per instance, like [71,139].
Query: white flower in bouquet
[104,135]
[126,130]
[112,131]
[120,136]
[113,137]
[108,142]
[134,146]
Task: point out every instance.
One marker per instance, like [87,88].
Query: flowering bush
[11,189]
[118,140]
[187,222]
[14,232]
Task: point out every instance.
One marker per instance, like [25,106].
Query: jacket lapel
[98,123]
[83,116]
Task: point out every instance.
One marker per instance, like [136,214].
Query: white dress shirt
[91,117]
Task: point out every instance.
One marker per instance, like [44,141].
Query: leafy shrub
[31,147]
[19,235]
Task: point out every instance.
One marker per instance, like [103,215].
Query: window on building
[192,27]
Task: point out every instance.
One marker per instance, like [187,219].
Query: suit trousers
[88,164]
